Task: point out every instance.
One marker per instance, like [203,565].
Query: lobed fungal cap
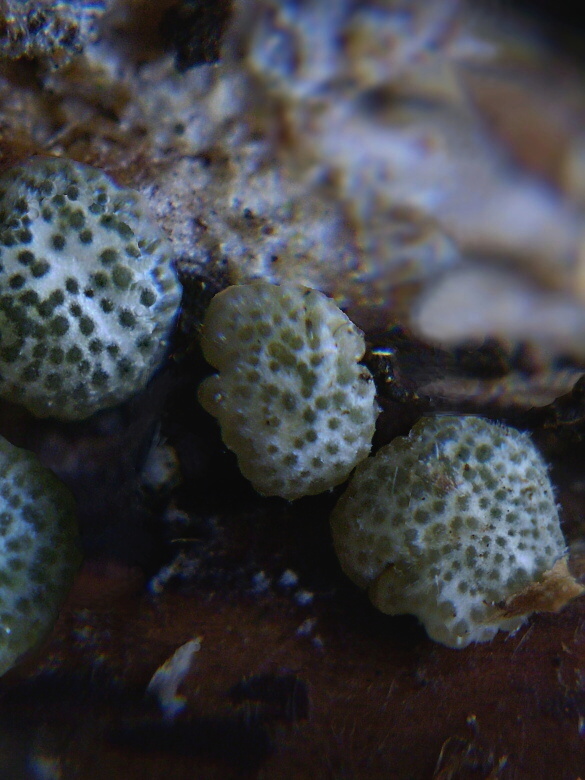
[38,551]
[88,295]
[292,401]
[456,524]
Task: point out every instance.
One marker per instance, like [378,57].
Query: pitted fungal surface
[38,551]
[87,291]
[292,400]
[447,523]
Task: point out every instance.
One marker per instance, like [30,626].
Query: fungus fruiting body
[87,291]
[456,524]
[38,551]
[292,400]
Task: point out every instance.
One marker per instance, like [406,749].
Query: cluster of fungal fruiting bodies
[456,523]
[88,298]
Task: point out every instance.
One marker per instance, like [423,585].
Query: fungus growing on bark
[39,554]
[456,524]
[88,295]
[291,398]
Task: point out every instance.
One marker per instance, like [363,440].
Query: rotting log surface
[329,688]
[383,700]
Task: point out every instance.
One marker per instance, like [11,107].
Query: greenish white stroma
[39,551]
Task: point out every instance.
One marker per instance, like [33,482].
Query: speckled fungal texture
[38,551]
[292,400]
[52,32]
[88,294]
[448,524]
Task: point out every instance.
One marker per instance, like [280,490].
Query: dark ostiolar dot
[24,236]
[99,378]
[25,256]
[31,373]
[56,298]
[108,221]
[72,192]
[86,236]
[124,366]
[58,200]
[40,269]
[10,354]
[144,343]
[86,326]
[45,308]
[72,285]
[102,198]
[21,205]
[58,241]
[89,292]
[77,219]
[95,346]
[309,415]
[147,297]
[24,606]
[24,326]
[463,501]
[106,305]
[84,366]
[16,281]
[47,214]
[76,310]
[14,564]
[74,355]
[113,350]
[101,279]
[122,276]
[56,355]
[127,319]
[339,398]
[6,581]
[132,250]
[125,231]
[483,453]
[108,256]
[59,326]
